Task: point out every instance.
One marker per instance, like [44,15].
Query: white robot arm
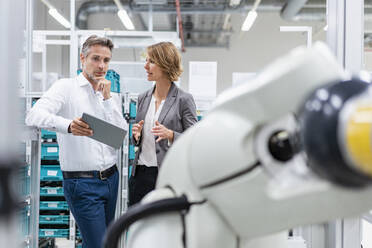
[289,148]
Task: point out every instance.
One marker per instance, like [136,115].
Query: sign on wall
[203,79]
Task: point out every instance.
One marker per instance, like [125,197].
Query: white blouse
[148,155]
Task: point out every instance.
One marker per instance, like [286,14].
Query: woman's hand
[137,129]
[162,132]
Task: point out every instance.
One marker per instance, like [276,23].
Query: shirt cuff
[108,105]
[62,125]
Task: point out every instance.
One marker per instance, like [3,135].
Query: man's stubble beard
[90,76]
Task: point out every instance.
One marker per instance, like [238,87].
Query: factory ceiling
[204,22]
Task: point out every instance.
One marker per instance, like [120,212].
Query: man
[90,175]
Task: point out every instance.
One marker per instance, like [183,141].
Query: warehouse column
[345,36]
[11,28]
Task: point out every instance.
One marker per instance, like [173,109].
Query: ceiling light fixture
[251,17]
[56,15]
[234,3]
[124,17]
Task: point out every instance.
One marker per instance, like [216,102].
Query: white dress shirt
[66,100]
[148,155]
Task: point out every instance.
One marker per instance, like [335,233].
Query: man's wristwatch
[69,129]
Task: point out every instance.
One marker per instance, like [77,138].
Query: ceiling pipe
[291,8]
[310,15]
[93,7]
[179,18]
[319,15]
[203,9]
[313,10]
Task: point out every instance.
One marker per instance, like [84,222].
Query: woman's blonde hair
[167,57]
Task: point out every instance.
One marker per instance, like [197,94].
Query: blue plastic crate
[24,180]
[130,130]
[132,109]
[54,233]
[49,151]
[113,77]
[53,205]
[24,215]
[51,173]
[132,153]
[115,80]
[46,134]
[51,191]
[54,219]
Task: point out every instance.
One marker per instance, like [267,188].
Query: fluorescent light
[249,20]
[53,12]
[234,2]
[325,27]
[123,15]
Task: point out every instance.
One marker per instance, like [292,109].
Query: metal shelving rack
[31,137]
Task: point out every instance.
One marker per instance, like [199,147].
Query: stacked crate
[54,212]
[24,214]
[23,181]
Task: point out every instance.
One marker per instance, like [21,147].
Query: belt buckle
[101,176]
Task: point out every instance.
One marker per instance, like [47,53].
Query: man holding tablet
[90,175]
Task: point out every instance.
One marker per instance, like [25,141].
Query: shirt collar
[82,80]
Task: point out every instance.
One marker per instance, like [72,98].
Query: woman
[163,113]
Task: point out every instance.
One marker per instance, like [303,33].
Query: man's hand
[162,132]
[80,128]
[104,86]
[137,129]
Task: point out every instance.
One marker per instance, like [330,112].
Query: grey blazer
[178,114]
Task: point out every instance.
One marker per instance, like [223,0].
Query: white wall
[250,51]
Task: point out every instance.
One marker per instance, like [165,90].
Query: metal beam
[179,19]
[291,8]
[345,37]
[212,31]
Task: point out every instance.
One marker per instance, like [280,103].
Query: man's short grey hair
[95,40]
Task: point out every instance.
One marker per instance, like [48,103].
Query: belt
[90,174]
[146,168]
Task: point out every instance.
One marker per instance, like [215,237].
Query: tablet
[105,132]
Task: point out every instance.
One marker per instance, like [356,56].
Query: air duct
[93,7]
[294,10]
[291,8]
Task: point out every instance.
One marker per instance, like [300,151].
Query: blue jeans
[92,202]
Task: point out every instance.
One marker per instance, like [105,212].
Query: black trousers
[142,183]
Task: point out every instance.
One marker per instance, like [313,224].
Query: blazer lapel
[171,97]
[146,104]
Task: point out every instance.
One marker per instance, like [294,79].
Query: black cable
[140,211]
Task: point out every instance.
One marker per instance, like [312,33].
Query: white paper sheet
[203,79]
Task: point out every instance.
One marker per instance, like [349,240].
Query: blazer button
[157,150]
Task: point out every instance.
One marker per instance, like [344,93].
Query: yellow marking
[358,138]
